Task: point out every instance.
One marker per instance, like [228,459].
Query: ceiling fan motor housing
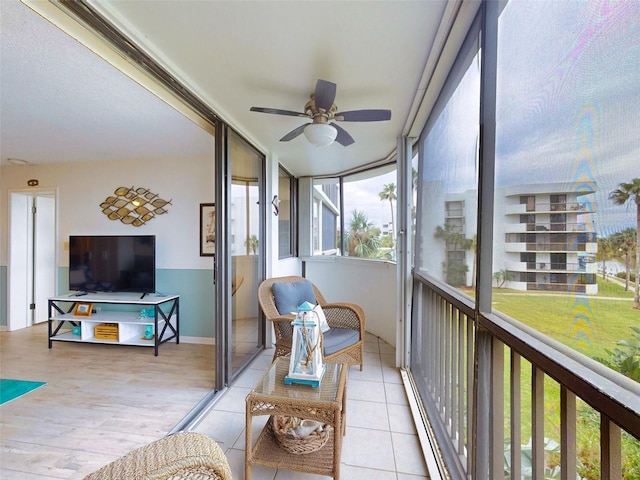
[319,115]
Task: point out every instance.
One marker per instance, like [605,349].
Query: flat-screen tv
[112,263]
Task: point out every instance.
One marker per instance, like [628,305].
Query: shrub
[623,276]
[626,360]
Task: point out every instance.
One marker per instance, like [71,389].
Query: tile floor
[380,443]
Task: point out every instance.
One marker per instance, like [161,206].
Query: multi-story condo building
[458,232]
[549,239]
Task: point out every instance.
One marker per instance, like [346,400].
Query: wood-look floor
[100,401]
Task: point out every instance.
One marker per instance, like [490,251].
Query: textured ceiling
[61,102]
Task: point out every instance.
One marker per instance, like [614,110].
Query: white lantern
[305,364]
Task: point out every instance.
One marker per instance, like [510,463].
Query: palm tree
[454,240]
[362,238]
[252,243]
[503,276]
[389,193]
[605,247]
[473,245]
[625,242]
[620,196]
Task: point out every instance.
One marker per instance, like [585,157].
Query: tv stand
[121,309]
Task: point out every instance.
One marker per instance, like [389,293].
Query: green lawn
[610,288]
[589,325]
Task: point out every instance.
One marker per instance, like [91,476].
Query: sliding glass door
[241,328]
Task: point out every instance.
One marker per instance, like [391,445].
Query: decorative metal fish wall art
[134,205]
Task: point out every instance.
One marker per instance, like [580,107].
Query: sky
[568,104]
[568,108]
[363,195]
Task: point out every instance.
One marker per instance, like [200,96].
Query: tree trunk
[393,227]
[627,267]
[636,294]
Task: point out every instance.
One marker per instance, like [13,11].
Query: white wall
[82,187]
[370,284]
[275,266]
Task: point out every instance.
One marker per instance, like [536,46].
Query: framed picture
[207,229]
[83,309]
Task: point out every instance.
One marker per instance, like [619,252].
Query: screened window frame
[322,203]
[340,180]
[482,459]
[293,214]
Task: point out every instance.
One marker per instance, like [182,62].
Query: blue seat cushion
[339,338]
[288,296]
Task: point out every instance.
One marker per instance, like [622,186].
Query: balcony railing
[557,287]
[556,227]
[557,207]
[558,266]
[468,372]
[454,212]
[556,247]
[539,207]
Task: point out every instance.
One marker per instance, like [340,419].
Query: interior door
[44,268]
[19,276]
[32,259]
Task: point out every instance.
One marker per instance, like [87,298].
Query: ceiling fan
[323,112]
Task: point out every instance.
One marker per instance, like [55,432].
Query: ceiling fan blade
[343,137]
[277,111]
[294,133]
[325,94]
[363,116]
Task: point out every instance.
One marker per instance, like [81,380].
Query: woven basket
[281,427]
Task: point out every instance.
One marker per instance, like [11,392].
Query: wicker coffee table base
[267,448]
[301,401]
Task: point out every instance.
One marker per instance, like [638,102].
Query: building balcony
[545,227]
[558,287]
[563,207]
[553,267]
[457,213]
[556,247]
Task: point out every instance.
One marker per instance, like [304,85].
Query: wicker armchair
[343,318]
[182,456]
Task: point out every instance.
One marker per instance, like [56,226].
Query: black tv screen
[112,263]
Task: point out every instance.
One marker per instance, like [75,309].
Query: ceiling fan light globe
[320,134]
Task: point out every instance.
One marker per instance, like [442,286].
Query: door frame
[25,295]
[223,265]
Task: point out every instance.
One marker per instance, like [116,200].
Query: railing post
[567,434]
[462,384]
[610,449]
[448,373]
[516,417]
[537,422]
[455,374]
[482,414]
[471,399]
[497,410]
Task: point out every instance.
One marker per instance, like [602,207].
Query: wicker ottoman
[186,455]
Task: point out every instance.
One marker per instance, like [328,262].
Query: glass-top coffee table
[326,404]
